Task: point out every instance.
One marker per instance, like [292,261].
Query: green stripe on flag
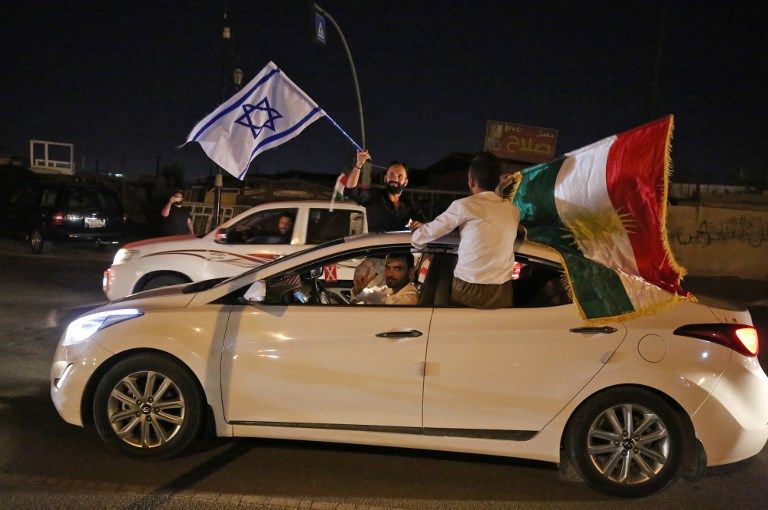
[535,197]
[598,290]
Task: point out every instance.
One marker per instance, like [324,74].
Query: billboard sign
[518,142]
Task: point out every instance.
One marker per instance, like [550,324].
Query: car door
[254,240]
[512,369]
[340,365]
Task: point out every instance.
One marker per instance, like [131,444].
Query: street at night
[566,201]
[48,463]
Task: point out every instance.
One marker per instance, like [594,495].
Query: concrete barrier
[720,241]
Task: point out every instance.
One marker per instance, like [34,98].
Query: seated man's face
[285,224]
[396,272]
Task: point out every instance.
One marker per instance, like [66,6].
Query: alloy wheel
[628,444]
[146,409]
[36,241]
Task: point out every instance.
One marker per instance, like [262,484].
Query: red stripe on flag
[635,178]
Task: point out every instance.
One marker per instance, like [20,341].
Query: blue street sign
[319,28]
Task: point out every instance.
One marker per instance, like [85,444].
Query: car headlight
[83,328]
[124,255]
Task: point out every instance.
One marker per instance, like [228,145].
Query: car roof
[363,241]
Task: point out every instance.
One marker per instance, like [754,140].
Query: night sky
[126,81]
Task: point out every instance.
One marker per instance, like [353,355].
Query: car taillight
[58,218]
[739,337]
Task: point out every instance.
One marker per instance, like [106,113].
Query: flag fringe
[679,269]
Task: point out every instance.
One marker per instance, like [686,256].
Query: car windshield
[287,257]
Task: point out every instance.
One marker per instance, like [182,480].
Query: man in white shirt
[488,227]
[399,290]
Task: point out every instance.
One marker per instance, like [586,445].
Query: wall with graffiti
[716,241]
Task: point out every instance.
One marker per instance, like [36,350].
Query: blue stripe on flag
[235,105]
[277,136]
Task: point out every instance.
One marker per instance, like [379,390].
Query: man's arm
[418,218]
[166,210]
[354,174]
[440,226]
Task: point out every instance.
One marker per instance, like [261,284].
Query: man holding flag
[387,209]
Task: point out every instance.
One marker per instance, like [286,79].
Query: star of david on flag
[268,111]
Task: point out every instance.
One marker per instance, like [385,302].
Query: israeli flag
[270,110]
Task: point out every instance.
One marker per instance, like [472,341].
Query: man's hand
[413,225]
[174,199]
[362,157]
[362,280]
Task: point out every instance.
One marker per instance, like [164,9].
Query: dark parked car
[42,212]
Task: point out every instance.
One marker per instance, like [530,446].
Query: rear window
[325,225]
[102,199]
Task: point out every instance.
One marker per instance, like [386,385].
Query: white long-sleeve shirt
[488,227]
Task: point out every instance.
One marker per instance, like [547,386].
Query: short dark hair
[486,169]
[400,163]
[404,256]
[180,191]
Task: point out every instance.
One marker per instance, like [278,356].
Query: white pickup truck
[247,240]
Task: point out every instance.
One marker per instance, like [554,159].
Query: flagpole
[341,130]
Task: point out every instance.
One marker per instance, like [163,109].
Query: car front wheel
[627,442]
[148,406]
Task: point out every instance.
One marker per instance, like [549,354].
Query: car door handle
[411,333]
[591,330]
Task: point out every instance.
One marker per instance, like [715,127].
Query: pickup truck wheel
[163,280]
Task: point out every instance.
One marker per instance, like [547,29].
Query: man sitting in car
[399,290]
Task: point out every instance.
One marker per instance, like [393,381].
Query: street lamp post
[366,172]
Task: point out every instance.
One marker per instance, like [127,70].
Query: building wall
[720,241]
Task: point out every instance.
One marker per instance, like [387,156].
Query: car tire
[37,242]
[163,280]
[148,406]
[627,442]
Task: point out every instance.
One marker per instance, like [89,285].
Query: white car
[279,352]
[248,239]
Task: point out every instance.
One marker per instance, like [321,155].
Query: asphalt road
[46,463]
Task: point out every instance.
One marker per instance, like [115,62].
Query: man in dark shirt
[387,209]
[177,221]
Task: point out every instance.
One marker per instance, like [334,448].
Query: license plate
[94,222]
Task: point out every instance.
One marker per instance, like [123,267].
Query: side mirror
[315,272]
[221,236]
[256,293]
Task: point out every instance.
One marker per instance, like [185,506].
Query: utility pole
[218,179]
[320,15]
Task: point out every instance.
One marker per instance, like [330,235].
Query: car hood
[164,297]
[168,243]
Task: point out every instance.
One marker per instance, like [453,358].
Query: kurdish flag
[603,207]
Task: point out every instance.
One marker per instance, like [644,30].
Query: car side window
[538,285]
[266,227]
[325,224]
[355,279]
[49,197]
[535,284]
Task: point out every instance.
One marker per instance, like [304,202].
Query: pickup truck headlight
[124,255]
[83,328]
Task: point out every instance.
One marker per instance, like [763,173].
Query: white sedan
[280,352]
